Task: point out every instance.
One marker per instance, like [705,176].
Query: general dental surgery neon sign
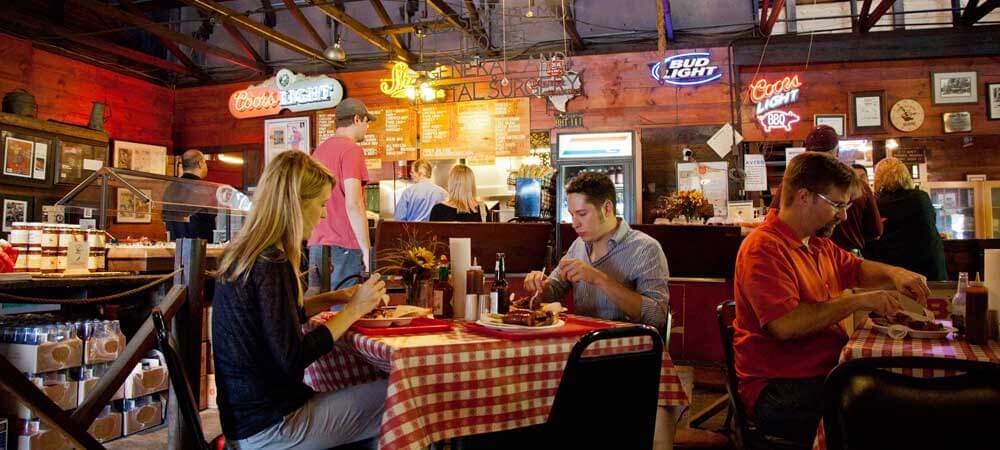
[295,92]
[770,96]
[688,69]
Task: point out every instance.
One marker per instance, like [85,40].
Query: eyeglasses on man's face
[839,206]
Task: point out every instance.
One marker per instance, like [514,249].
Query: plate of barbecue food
[907,323]
[387,316]
[540,317]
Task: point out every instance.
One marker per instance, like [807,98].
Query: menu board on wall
[326,125]
[391,137]
[477,130]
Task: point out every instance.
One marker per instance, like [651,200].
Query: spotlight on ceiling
[335,53]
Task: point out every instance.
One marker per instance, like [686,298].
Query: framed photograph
[131,208]
[957,122]
[954,87]
[26,158]
[18,157]
[993,101]
[14,209]
[285,134]
[836,121]
[867,112]
[140,157]
[77,160]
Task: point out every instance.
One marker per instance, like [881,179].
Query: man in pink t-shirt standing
[345,227]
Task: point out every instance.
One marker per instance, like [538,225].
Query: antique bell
[97,117]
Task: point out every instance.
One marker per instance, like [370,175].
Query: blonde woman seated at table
[258,311]
[461,204]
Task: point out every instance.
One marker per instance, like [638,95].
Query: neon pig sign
[295,92]
[687,69]
[769,96]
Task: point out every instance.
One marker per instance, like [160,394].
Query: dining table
[867,342]
[466,380]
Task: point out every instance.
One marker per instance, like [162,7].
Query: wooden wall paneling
[662,151]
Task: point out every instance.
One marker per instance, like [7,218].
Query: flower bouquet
[415,260]
[690,204]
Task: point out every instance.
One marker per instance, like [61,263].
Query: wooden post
[186,329]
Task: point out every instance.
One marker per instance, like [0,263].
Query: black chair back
[726,314]
[868,407]
[608,401]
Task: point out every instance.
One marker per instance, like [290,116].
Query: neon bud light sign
[778,119]
[688,69]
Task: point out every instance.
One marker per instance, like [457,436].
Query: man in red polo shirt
[788,285]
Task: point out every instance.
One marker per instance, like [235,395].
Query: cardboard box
[141,418]
[101,350]
[145,382]
[46,357]
[63,394]
[44,440]
[107,428]
[88,386]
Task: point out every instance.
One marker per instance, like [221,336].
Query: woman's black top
[444,213]
[910,236]
[260,351]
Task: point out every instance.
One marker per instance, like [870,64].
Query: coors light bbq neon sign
[286,90]
[770,97]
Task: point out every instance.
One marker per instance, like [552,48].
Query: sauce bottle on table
[443,291]
[976,305]
[958,303]
[473,287]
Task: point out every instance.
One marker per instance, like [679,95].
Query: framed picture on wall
[993,101]
[140,157]
[27,159]
[14,209]
[132,208]
[285,134]
[954,87]
[867,112]
[836,121]
[77,160]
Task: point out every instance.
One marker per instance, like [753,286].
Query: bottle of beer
[443,291]
[958,303]
[500,292]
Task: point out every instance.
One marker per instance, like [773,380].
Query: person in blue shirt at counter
[616,273]
[416,202]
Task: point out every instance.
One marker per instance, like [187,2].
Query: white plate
[919,334]
[376,323]
[500,326]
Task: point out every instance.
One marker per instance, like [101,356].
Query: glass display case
[961,208]
[113,198]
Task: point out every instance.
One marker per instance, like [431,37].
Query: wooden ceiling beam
[161,31]
[302,20]
[975,12]
[875,15]
[460,23]
[100,44]
[569,25]
[171,46]
[252,26]
[245,45]
[383,15]
[771,16]
[366,33]
[402,28]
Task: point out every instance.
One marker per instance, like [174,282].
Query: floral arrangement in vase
[414,259]
[690,204]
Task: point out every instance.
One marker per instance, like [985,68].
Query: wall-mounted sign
[569,120]
[687,69]
[771,95]
[405,82]
[286,90]
[778,119]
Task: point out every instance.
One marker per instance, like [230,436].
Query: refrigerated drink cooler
[611,154]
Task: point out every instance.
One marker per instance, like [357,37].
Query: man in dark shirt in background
[180,210]
[863,224]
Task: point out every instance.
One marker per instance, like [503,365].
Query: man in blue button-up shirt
[616,273]
[416,202]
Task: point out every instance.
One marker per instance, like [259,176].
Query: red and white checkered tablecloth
[458,383]
[869,343]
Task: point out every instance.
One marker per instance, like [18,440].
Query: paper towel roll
[460,260]
[991,265]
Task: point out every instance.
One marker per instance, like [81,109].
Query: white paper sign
[40,163]
[711,178]
[724,140]
[77,253]
[92,164]
[88,224]
[756,173]
[792,152]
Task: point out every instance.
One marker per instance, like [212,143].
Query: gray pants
[328,419]
[345,262]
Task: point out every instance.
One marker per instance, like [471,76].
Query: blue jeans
[344,261]
[790,408]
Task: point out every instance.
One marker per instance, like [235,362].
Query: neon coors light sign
[286,89]
[769,96]
[687,69]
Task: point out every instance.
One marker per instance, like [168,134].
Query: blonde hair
[462,188]
[423,167]
[892,175]
[275,218]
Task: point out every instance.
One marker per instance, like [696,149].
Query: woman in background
[910,236]
[461,204]
[260,350]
